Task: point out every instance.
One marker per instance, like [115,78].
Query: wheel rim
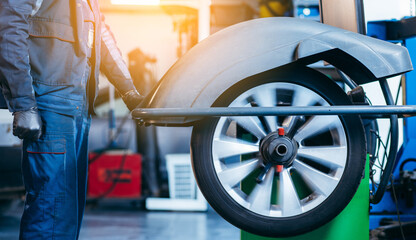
[313,174]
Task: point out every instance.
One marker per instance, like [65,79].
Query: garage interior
[194,164]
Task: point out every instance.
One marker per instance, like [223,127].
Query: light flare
[136,2]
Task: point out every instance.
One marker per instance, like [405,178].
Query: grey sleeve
[15,78]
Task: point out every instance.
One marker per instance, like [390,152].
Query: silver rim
[317,166]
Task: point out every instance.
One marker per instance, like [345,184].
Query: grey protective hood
[255,46]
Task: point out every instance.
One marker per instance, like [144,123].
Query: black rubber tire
[249,221]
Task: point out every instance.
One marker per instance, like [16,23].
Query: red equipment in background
[114,174]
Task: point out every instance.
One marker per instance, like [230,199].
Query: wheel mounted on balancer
[272,184]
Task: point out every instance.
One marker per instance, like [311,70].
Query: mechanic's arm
[15,78]
[115,69]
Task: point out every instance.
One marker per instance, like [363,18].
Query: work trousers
[55,177]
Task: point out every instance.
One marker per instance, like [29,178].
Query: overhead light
[136,2]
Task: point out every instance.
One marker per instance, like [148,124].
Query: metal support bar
[149,113]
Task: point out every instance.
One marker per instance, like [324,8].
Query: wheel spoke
[325,155]
[235,173]
[243,102]
[304,97]
[316,179]
[267,98]
[315,126]
[289,199]
[251,125]
[288,122]
[260,197]
[227,147]
[271,122]
[292,124]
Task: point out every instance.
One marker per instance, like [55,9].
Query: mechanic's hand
[27,124]
[132,99]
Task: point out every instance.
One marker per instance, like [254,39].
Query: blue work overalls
[55,166]
[51,53]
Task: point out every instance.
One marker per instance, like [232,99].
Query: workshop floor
[118,222]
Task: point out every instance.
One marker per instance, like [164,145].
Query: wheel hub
[277,149]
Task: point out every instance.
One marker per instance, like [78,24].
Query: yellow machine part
[279,7]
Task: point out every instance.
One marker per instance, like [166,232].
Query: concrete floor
[120,221]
